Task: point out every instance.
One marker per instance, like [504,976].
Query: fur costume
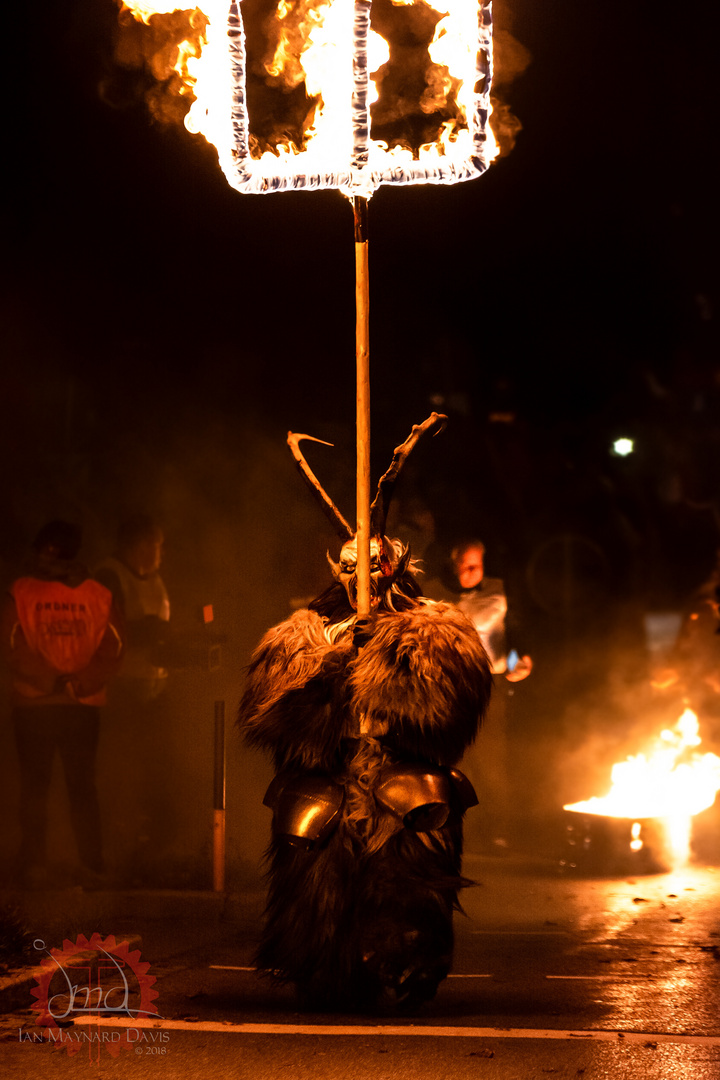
[342,705]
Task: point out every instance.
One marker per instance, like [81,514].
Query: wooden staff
[362,401]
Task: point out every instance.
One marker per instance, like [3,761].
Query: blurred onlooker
[140,708]
[133,577]
[63,640]
[484,602]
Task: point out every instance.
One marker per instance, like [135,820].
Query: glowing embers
[669,784]
[336,93]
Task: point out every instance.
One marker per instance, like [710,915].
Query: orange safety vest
[64,625]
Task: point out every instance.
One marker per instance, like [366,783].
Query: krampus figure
[366,720]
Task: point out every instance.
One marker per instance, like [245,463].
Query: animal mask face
[383,569]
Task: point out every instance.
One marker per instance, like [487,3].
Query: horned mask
[388,558]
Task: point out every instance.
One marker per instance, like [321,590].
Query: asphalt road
[554,976]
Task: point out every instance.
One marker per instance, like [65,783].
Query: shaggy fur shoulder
[423,681]
[292,705]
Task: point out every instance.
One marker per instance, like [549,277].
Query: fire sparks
[329,93]
[671,782]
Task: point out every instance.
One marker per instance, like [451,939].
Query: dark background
[161,333]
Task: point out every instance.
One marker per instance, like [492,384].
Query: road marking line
[524,933]
[473,975]
[233,967]
[606,978]
[230,967]
[398,1030]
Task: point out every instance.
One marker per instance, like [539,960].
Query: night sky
[162,332]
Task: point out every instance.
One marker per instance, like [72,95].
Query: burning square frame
[354,162]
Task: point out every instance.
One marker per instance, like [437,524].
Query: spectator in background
[144,821]
[484,602]
[63,640]
[133,577]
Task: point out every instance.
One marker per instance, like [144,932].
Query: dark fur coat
[369,910]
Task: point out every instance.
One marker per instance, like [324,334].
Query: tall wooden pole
[362,401]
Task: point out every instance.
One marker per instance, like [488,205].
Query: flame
[143,9]
[327,62]
[671,782]
[314,44]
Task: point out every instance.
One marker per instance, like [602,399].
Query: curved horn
[328,507]
[381,503]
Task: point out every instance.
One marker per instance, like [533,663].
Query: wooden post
[362,400]
[219,800]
